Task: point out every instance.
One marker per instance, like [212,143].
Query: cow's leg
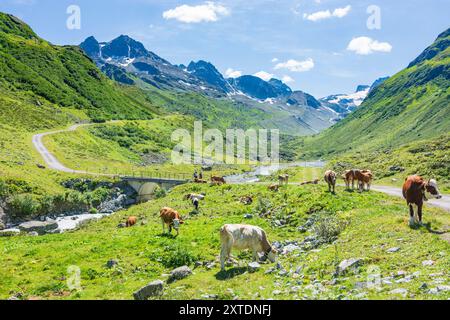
[419,212]
[255,255]
[163,227]
[224,256]
[411,214]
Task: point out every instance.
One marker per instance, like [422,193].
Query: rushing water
[67,223]
[253,176]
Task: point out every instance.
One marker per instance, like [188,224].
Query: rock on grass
[153,289]
[180,273]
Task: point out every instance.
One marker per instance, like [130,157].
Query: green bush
[174,256]
[23,205]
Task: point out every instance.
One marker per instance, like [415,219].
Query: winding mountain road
[54,164]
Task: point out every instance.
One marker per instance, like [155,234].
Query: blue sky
[319,46]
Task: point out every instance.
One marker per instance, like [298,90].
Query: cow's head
[432,190]
[177,223]
[270,254]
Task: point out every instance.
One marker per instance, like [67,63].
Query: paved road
[443,203]
[54,164]
[50,160]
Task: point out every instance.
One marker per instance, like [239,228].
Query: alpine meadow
[290,189]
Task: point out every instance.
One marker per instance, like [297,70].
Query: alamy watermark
[237,146]
[73,22]
[74,278]
[374,20]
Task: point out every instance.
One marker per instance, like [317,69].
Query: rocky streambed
[121,198]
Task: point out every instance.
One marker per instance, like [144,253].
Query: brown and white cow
[416,190]
[330,179]
[283,179]
[171,219]
[243,237]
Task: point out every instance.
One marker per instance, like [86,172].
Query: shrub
[174,256]
[327,228]
[160,193]
[23,205]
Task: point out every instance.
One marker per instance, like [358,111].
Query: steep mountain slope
[60,75]
[126,55]
[412,105]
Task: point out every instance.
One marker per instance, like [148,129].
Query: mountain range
[127,61]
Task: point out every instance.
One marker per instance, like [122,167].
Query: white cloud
[327,14]
[207,12]
[274,60]
[342,12]
[366,46]
[264,75]
[296,66]
[230,73]
[287,79]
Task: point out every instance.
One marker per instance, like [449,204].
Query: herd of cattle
[416,190]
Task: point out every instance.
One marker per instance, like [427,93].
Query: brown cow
[310,182]
[131,222]
[365,178]
[330,179]
[197,180]
[350,177]
[416,190]
[171,219]
[218,180]
[247,200]
[274,187]
[283,179]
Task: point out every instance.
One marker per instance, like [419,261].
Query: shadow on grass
[168,235]
[231,273]
[428,227]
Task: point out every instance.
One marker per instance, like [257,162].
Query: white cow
[242,237]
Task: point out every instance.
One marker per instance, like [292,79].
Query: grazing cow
[310,182]
[416,190]
[330,178]
[274,187]
[200,181]
[131,221]
[195,198]
[171,219]
[247,200]
[218,180]
[365,178]
[283,179]
[244,237]
[350,177]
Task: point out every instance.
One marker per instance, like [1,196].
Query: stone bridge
[146,187]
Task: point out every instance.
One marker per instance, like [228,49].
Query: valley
[76,119]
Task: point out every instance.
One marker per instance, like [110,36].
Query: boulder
[254,266]
[41,227]
[153,289]
[180,273]
[350,264]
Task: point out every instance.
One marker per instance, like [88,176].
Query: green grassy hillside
[347,225]
[412,105]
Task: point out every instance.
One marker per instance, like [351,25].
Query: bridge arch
[147,190]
